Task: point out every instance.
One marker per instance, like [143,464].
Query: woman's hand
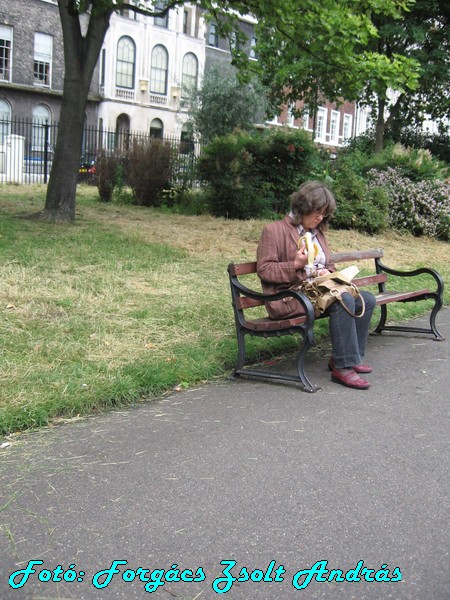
[301,258]
[322,272]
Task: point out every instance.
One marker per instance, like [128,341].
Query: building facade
[147,67]
[333,123]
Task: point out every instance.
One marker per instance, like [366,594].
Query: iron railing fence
[27,148]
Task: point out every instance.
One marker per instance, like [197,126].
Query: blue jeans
[349,334]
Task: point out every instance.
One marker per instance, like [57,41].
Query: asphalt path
[234,488]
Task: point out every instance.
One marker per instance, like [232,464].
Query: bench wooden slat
[370,279]
[267,324]
[356,255]
[242,268]
[244,302]
[392,296]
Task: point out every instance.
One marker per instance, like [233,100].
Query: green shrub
[415,163]
[184,200]
[109,169]
[233,183]
[149,170]
[358,206]
[422,208]
[253,174]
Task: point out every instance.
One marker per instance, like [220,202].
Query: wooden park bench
[245,299]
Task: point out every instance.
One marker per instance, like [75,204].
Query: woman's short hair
[313,196]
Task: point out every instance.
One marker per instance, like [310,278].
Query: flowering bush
[358,206]
[421,207]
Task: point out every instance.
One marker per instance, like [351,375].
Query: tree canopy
[393,57]
[421,35]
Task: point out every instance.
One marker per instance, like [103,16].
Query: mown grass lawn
[129,302]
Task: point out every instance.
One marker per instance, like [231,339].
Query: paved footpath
[262,474]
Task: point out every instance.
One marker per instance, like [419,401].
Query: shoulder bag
[322,291]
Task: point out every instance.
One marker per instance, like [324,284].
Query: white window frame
[362,117]
[347,126]
[321,124]
[189,74]
[6,49]
[41,115]
[161,21]
[5,120]
[253,53]
[126,62]
[43,59]
[290,118]
[213,34]
[305,120]
[155,130]
[334,126]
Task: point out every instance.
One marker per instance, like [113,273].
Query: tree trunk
[80,57]
[62,184]
[380,126]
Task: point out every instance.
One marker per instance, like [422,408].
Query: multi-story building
[147,67]
[332,124]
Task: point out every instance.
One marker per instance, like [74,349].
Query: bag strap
[339,299]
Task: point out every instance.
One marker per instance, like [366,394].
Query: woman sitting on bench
[282,264]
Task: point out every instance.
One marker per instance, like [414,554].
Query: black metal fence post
[46,148]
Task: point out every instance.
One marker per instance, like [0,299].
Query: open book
[350,272]
[343,276]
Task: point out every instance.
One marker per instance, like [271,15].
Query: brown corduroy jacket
[275,264]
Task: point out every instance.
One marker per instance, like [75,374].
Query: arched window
[156,128]
[159,70]
[189,74]
[5,120]
[41,117]
[186,139]
[123,131]
[126,60]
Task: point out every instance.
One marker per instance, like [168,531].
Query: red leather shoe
[356,368]
[349,379]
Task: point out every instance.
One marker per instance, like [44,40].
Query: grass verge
[129,302]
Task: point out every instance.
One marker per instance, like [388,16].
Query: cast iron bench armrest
[421,271]
[304,300]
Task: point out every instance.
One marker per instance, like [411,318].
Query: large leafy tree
[422,34]
[336,55]
[328,30]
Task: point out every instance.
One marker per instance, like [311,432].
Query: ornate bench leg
[241,351]
[382,322]
[436,308]
[307,385]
